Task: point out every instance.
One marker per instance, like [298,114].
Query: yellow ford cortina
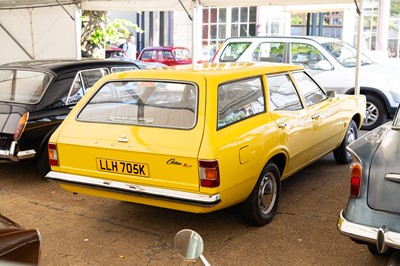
[201,139]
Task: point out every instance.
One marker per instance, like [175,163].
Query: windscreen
[345,54]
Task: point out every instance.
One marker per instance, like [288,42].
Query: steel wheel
[267,193]
[261,205]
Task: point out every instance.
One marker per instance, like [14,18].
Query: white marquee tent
[40,29]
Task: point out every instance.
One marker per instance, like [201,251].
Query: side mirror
[331,94]
[324,65]
[189,245]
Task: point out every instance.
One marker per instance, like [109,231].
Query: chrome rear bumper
[14,154]
[382,237]
[136,190]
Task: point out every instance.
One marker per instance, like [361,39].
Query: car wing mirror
[331,93]
[189,245]
[324,65]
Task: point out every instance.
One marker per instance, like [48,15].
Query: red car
[170,56]
[115,52]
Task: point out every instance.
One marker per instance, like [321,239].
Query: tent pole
[196,30]
[78,32]
[359,36]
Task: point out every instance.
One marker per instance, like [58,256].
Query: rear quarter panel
[242,150]
[353,106]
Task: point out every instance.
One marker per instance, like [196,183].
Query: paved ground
[84,230]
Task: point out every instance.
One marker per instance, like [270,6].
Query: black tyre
[375,114]
[374,251]
[262,204]
[341,154]
[42,162]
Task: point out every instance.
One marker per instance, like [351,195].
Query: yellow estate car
[201,139]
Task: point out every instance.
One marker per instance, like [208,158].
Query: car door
[293,121]
[324,112]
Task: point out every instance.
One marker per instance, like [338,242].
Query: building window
[213,30]
[243,21]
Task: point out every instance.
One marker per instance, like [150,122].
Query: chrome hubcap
[267,193]
[351,136]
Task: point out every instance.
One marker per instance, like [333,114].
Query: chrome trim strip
[136,190]
[393,177]
[366,233]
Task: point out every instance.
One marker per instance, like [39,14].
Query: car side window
[233,51]
[168,55]
[282,93]
[313,94]
[308,56]
[239,100]
[269,52]
[83,81]
[148,55]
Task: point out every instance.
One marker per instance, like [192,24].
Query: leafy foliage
[395,8]
[98,31]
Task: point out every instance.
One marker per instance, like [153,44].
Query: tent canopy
[174,5]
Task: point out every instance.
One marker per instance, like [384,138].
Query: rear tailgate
[151,156]
[132,147]
[384,179]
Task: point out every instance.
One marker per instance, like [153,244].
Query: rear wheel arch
[280,161]
[357,118]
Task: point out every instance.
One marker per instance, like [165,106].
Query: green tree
[98,31]
[394,8]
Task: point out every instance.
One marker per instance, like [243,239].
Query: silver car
[331,62]
[372,214]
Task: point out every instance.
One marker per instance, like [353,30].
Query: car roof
[164,48]
[319,39]
[213,70]
[56,65]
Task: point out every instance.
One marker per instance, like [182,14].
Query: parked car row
[201,139]
[207,137]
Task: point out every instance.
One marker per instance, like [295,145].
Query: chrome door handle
[282,125]
[315,117]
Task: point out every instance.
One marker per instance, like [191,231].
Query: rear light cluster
[53,156]
[355,179]
[21,126]
[209,173]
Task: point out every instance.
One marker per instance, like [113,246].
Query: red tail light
[53,156]
[21,126]
[209,173]
[355,180]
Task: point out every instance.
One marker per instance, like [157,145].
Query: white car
[332,63]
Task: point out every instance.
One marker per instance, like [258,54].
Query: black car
[36,96]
